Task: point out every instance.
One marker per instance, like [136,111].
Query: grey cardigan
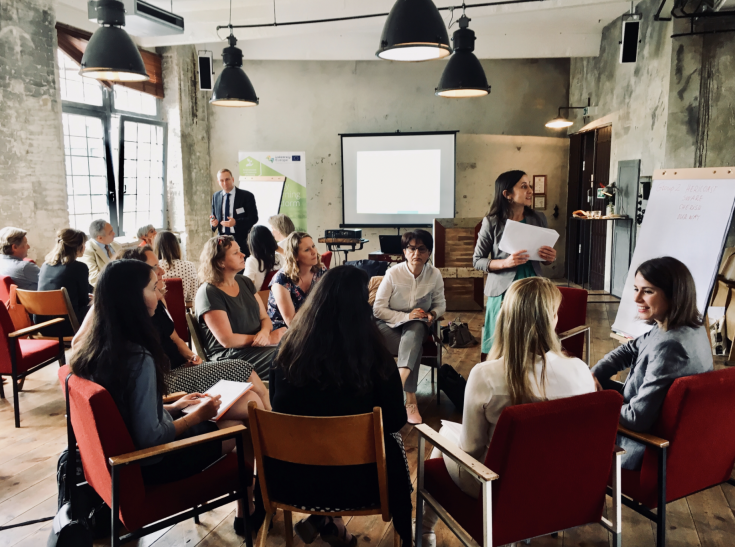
[655,360]
[486,250]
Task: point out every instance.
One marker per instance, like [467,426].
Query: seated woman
[188,371]
[281,227]
[61,269]
[409,299]
[676,346]
[265,256]
[291,285]
[146,235]
[167,248]
[229,310]
[514,374]
[332,362]
[123,355]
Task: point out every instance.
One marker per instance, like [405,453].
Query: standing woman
[513,200]
[291,285]
[62,270]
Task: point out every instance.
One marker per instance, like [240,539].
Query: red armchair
[22,357]
[5,282]
[550,465]
[691,448]
[177,307]
[573,332]
[111,466]
[327,258]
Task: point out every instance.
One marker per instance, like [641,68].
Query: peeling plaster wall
[185,111]
[306,105]
[632,96]
[32,174]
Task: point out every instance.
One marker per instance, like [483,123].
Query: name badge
[240,211]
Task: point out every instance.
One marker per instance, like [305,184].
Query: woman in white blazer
[408,301]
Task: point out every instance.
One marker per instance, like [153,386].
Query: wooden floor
[28,459]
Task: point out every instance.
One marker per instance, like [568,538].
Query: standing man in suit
[99,249]
[233,210]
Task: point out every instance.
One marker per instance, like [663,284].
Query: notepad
[230,392]
[518,236]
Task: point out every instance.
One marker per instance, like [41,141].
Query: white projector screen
[397,179]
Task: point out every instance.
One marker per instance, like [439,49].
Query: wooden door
[601,172]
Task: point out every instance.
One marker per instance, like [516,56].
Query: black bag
[457,335]
[372,267]
[453,384]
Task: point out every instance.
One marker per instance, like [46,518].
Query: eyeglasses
[413,249]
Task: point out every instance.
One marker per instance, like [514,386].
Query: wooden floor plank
[713,518]
[8,538]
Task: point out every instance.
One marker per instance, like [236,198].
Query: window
[99,122]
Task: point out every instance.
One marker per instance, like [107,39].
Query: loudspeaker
[206,70]
[629,43]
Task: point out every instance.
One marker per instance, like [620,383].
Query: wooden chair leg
[288,523]
[2,389]
[264,529]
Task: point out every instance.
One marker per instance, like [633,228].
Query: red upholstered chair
[177,307]
[5,282]
[546,470]
[691,447]
[573,332]
[267,281]
[327,258]
[111,467]
[22,357]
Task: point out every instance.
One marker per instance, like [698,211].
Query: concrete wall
[632,96]
[32,176]
[306,105]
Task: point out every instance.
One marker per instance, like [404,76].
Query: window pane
[84,156]
[75,87]
[131,100]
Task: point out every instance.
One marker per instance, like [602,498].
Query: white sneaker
[428,539]
[413,415]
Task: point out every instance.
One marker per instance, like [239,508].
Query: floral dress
[298,297]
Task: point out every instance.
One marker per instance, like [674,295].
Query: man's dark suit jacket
[245,220]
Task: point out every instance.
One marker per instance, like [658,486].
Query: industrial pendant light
[463,76]
[414,31]
[560,122]
[111,54]
[233,87]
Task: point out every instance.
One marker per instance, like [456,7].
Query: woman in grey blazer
[676,346]
[513,200]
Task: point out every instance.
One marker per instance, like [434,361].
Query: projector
[343,234]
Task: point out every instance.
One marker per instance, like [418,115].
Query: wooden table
[338,244]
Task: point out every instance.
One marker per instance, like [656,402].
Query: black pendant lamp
[463,77]
[414,31]
[111,54]
[233,87]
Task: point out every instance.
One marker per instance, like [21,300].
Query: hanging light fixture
[233,87]
[414,31]
[111,54]
[463,76]
[560,122]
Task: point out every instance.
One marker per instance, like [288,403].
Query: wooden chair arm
[645,438]
[173,397]
[457,454]
[573,332]
[144,454]
[617,450]
[35,328]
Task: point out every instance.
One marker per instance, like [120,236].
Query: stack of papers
[230,392]
[519,236]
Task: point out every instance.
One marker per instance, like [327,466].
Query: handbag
[457,335]
[453,384]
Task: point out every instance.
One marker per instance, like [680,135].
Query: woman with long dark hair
[513,200]
[677,345]
[166,247]
[123,354]
[265,256]
[332,362]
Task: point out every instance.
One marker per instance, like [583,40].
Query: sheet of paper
[518,236]
[230,392]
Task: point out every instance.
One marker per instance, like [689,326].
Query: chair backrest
[554,460]
[572,313]
[5,282]
[334,441]
[327,258]
[197,336]
[264,295]
[6,327]
[48,303]
[101,434]
[176,306]
[267,280]
[698,420]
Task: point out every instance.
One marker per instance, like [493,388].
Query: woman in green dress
[513,200]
